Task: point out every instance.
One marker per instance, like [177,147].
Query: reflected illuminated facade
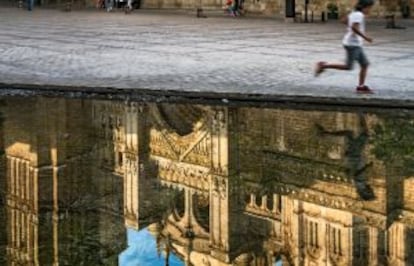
[216,185]
[285,182]
[48,148]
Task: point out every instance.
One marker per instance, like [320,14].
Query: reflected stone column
[35,216]
[18,198]
[55,218]
[31,223]
[396,244]
[289,231]
[373,246]
[189,212]
[134,151]
[225,223]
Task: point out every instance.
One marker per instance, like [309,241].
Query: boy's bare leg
[321,66]
[362,75]
[335,66]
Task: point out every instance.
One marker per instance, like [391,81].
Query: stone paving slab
[165,51]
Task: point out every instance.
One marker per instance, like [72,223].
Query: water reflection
[105,183]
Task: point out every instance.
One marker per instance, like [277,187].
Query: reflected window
[279,203]
[311,229]
[120,159]
[269,202]
[335,240]
[258,201]
[361,243]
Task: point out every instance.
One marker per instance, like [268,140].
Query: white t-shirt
[351,38]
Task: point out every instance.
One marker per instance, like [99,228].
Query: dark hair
[363,4]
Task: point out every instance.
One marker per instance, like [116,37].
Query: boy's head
[364,6]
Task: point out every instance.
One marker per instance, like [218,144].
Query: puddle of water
[89,182]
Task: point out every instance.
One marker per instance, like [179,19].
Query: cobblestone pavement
[159,50]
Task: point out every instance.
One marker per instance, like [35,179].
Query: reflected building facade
[48,149]
[216,185]
[279,184]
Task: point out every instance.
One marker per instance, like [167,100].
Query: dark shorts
[355,53]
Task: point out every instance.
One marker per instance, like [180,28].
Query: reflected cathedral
[214,185]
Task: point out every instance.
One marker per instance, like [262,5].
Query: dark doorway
[290,8]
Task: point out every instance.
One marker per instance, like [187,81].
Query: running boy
[353,42]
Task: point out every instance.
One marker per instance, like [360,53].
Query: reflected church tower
[188,151]
[137,182]
[123,148]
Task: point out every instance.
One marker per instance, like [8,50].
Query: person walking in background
[229,8]
[100,4]
[128,7]
[353,44]
[30,4]
[109,5]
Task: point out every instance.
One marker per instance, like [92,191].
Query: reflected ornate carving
[392,261]
[131,167]
[200,152]
[206,261]
[337,260]
[314,252]
[192,148]
[378,221]
[19,150]
[219,186]
[183,174]
[302,170]
[219,121]
[261,212]
[161,147]
[312,196]
[407,218]
[290,246]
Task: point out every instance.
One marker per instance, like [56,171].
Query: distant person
[100,4]
[353,42]
[128,7]
[30,4]
[229,8]
[234,7]
[239,7]
[109,5]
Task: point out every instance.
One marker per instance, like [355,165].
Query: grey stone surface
[159,50]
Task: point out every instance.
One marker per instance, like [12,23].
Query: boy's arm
[355,28]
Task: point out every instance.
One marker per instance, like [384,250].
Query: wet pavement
[92,182]
[178,52]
